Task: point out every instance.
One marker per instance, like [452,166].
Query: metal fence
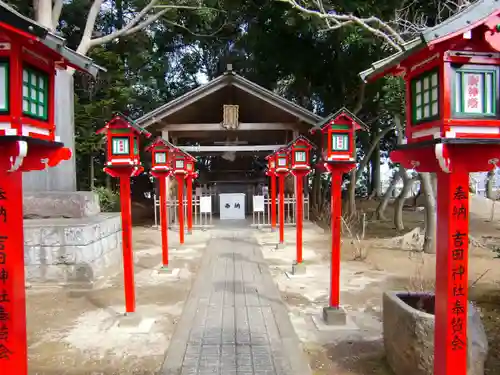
[200,219]
[263,219]
[205,219]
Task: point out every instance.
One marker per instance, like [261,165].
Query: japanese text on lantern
[459,242]
[5,352]
[472,93]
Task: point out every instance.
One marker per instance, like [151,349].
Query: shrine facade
[230,124]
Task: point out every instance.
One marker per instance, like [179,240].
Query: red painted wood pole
[164,220]
[128,256]
[180,197]
[300,216]
[281,177]
[13,340]
[450,337]
[336,212]
[273,201]
[189,193]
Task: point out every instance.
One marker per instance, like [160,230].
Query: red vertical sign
[450,356]
[13,343]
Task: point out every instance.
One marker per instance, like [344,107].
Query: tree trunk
[92,173]
[400,201]
[490,177]
[430,212]
[351,194]
[43,12]
[380,211]
[375,171]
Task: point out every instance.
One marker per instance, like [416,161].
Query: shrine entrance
[230,124]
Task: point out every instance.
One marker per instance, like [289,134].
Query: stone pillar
[62,177]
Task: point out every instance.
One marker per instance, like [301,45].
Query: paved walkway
[234,322]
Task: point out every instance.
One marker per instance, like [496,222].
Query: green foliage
[108,199]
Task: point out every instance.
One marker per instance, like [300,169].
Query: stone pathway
[234,322]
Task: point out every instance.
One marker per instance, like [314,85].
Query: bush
[108,199]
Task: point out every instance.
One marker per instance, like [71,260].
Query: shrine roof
[468,19]
[44,36]
[129,123]
[342,111]
[300,138]
[160,140]
[228,78]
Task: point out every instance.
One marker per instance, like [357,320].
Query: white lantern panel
[300,156]
[160,158]
[4,88]
[281,162]
[340,142]
[473,93]
[179,164]
[121,146]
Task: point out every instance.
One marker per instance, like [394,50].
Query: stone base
[133,323]
[165,272]
[74,252]
[60,204]
[333,316]
[280,246]
[298,268]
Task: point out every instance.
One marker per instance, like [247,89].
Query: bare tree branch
[136,21]
[410,20]
[336,20]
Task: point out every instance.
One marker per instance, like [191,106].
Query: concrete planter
[409,334]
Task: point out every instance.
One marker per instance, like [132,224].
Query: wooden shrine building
[230,124]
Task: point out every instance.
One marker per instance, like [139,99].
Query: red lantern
[123,146]
[183,168]
[300,149]
[282,161]
[271,165]
[123,161]
[161,168]
[162,153]
[340,129]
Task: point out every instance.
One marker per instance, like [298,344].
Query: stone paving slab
[234,322]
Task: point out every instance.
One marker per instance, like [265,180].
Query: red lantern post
[123,162]
[190,175]
[452,76]
[339,155]
[299,150]
[271,173]
[28,142]
[161,168]
[180,165]
[282,170]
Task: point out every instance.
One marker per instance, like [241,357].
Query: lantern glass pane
[273,164]
[476,91]
[281,161]
[340,142]
[425,97]
[179,164]
[120,145]
[189,166]
[4,87]
[300,156]
[160,157]
[35,93]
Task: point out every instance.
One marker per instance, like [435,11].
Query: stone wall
[72,251]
